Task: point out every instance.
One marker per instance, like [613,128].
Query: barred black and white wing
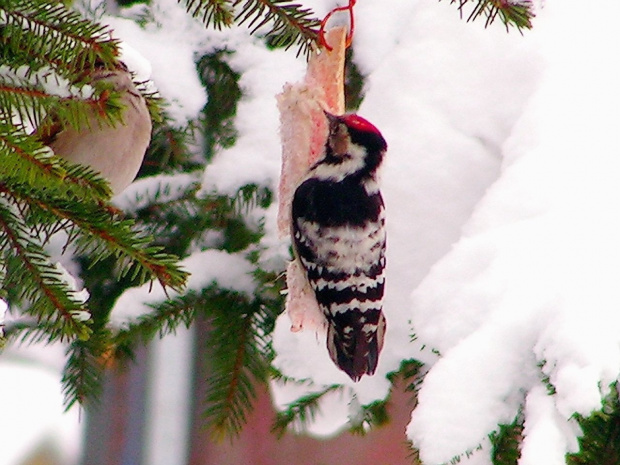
[339,238]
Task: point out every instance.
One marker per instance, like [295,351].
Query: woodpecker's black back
[331,203]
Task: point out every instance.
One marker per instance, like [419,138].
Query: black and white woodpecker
[338,232]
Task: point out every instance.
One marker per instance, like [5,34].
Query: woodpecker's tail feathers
[355,348]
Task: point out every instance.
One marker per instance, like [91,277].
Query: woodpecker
[338,233]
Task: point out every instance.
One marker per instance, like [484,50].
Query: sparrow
[115,150]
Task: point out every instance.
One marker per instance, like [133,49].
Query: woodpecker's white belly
[346,248]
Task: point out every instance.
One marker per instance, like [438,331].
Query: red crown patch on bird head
[358,123]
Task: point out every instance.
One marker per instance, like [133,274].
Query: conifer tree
[45,201]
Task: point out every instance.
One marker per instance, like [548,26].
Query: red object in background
[257,446]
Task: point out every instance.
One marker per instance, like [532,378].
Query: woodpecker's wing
[339,238]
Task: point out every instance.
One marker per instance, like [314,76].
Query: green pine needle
[506,442]
[82,374]
[164,319]
[512,13]
[27,162]
[214,13]
[40,34]
[600,443]
[236,366]
[287,22]
[39,283]
[101,233]
[284,22]
[371,416]
[299,413]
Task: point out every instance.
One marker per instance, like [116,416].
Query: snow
[255,157]
[498,181]
[501,188]
[532,280]
[163,187]
[79,294]
[548,436]
[164,51]
[228,271]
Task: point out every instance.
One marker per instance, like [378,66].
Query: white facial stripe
[352,162]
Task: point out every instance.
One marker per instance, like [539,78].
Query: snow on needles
[228,271]
[533,282]
[501,190]
[439,115]
[255,157]
[168,43]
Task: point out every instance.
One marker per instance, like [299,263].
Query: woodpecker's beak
[332,120]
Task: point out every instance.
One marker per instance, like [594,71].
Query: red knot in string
[349,7]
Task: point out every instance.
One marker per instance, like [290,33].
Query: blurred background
[151,414]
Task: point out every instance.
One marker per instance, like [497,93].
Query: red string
[351,23]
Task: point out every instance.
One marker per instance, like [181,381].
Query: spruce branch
[193,214]
[25,332]
[302,411]
[222,84]
[102,233]
[230,387]
[169,150]
[164,319]
[38,34]
[600,442]
[370,416]
[506,442]
[39,282]
[76,112]
[82,374]
[517,13]
[26,161]
[216,13]
[236,363]
[411,372]
[287,22]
